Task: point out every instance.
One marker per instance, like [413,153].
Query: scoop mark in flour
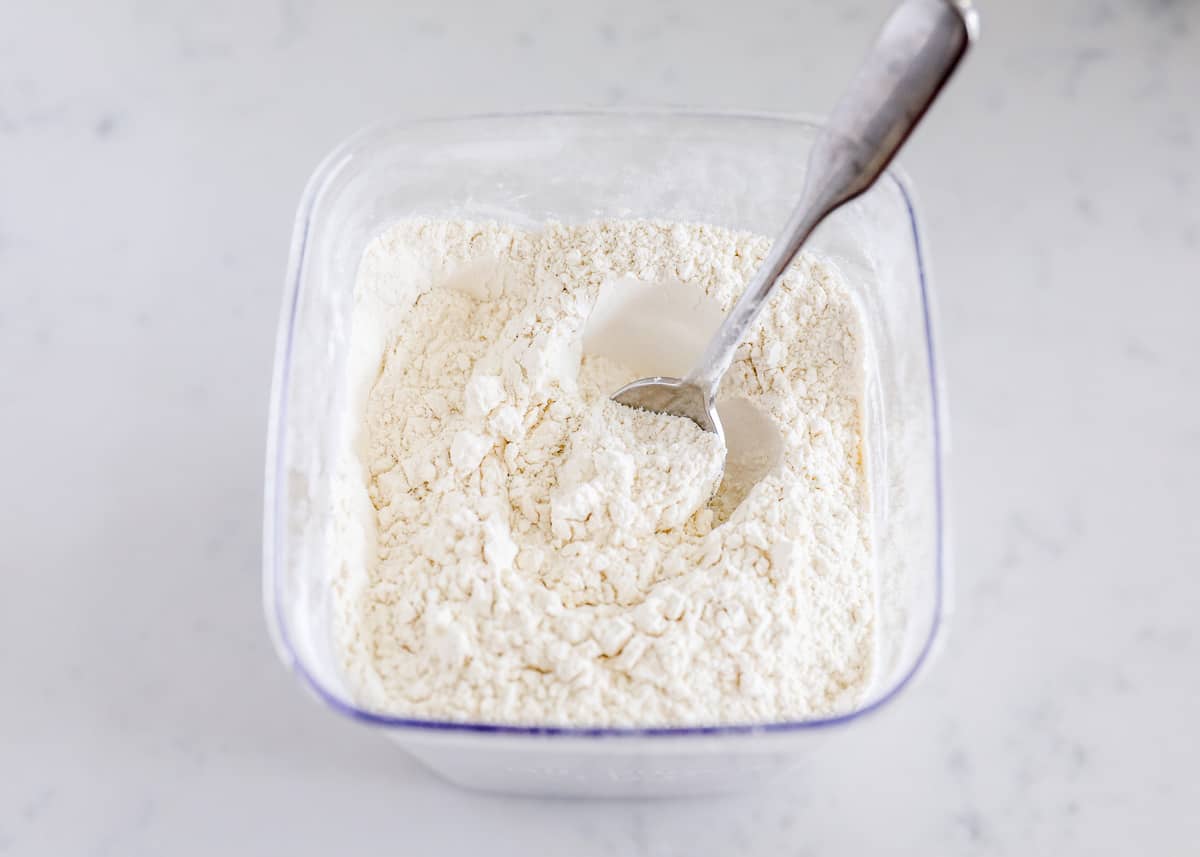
[662,328]
[753,446]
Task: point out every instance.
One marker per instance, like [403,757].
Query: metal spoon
[921,44]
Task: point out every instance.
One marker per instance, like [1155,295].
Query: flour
[543,555]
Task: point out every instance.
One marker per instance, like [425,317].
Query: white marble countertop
[151,156]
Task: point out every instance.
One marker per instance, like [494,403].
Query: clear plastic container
[738,171]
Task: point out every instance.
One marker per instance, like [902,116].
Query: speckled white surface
[151,155]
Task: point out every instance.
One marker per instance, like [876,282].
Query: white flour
[543,555]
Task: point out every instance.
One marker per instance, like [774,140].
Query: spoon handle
[921,44]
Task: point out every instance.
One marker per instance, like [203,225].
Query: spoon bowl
[676,396]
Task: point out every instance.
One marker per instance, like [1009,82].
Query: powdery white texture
[545,556]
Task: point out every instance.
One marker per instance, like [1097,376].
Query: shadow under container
[743,172]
